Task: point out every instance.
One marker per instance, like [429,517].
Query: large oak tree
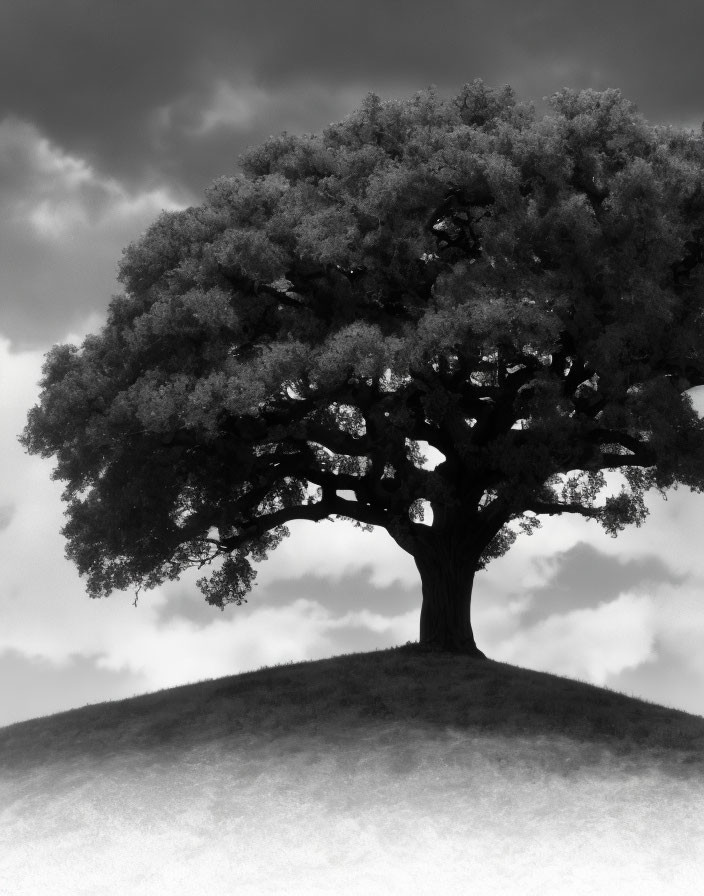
[525,295]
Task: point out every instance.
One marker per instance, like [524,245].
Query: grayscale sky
[111,112]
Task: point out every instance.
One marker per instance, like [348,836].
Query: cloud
[355,590]
[680,618]
[301,630]
[238,113]
[230,106]
[61,235]
[592,644]
[332,550]
[96,77]
[122,112]
[7,511]
[40,687]
[586,577]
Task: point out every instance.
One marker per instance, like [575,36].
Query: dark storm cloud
[585,577]
[62,230]
[163,95]
[126,84]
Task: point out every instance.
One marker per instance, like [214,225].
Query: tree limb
[330,505]
[558,507]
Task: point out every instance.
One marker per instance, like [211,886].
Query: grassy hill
[392,772]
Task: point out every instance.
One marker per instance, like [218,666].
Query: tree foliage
[523,294]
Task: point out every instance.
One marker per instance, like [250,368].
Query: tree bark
[447,576]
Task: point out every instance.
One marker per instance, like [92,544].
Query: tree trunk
[447,576]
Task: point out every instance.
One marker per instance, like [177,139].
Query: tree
[525,295]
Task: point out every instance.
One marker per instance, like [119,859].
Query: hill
[397,771]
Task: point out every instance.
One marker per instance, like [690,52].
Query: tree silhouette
[525,295]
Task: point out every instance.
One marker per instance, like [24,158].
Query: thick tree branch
[548,507]
[336,440]
[330,505]
[302,465]
[378,497]
[612,461]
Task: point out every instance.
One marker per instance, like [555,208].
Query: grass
[397,771]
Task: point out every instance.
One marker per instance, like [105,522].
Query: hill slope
[396,771]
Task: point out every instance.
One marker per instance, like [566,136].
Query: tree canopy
[523,294]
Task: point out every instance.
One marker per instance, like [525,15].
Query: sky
[111,111]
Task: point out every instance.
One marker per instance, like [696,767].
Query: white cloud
[679,613]
[404,626]
[496,617]
[181,652]
[336,549]
[590,644]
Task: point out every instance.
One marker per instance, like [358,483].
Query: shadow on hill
[337,700]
